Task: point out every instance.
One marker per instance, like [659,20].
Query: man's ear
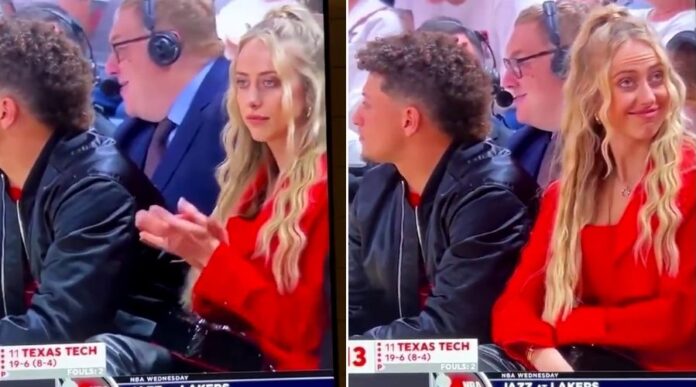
[411,120]
[9,111]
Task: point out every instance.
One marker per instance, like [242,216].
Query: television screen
[522,193]
[166,212]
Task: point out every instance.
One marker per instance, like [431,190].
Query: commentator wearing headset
[169,62]
[535,64]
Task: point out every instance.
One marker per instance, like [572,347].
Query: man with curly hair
[436,229]
[72,265]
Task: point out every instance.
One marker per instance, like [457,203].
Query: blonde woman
[264,271]
[610,267]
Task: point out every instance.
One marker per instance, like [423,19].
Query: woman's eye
[657,77]
[270,83]
[626,83]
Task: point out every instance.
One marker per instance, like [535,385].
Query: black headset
[75,28]
[448,25]
[558,60]
[163,47]
[501,96]
[485,48]
[452,26]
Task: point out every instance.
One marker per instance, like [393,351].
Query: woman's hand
[549,360]
[190,235]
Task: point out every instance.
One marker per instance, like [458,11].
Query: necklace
[626,189]
[625,193]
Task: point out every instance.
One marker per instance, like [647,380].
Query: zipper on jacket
[418,232]
[21,232]
[2,250]
[401,248]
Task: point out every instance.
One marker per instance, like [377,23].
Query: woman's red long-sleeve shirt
[625,304]
[288,328]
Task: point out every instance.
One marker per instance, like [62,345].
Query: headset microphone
[110,87]
[502,97]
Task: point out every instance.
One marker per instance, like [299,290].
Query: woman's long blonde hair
[296,42]
[586,157]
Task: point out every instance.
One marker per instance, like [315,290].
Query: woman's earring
[597,120]
[309,111]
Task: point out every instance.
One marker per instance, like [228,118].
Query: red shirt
[625,303]
[288,328]
[15,193]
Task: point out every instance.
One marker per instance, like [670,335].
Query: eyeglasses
[116,45]
[513,64]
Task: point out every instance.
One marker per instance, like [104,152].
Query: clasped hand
[190,234]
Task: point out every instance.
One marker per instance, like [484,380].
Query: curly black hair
[46,72]
[431,69]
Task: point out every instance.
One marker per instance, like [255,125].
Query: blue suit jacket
[527,146]
[188,166]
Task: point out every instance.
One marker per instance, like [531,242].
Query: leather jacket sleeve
[358,286]
[94,239]
[486,231]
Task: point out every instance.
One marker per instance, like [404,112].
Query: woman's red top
[624,303]
[288,328]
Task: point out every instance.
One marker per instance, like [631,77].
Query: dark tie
[157,146]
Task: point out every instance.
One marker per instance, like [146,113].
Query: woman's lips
[646,113]
[256,119]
